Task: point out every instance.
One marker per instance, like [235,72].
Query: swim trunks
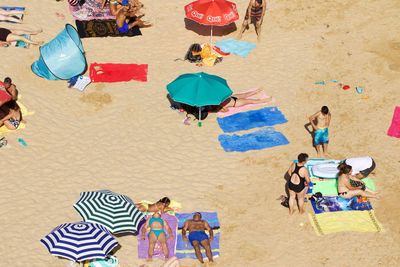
[124,28]
[197,236]
[321,136]
[4,34]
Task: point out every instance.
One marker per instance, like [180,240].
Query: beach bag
[110,261]
[189,55]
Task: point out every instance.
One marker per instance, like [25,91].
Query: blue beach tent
[62,58]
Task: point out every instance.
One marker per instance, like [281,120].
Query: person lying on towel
[361,166]
[350,186]
[198,237]
[242,99]
[160,206]
[127,18]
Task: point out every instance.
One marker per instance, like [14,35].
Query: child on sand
[160,206]
[320,122]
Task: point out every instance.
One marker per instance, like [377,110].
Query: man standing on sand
[198,237]
[320,122]
[254,15]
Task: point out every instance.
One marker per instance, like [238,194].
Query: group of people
[158,230]
[351,171]
[10,112]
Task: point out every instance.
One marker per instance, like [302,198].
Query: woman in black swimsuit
[299,179]
[10,35]
[241,99]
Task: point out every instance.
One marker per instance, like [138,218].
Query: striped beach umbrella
[80,241]
[116,212]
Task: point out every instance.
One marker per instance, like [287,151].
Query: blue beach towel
[332,204]
[268,116]
[264,138]
[185,250]
[236,47]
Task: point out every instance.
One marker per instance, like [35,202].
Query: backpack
[189,55]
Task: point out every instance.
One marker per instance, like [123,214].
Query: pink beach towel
[261,95]
[109,72]
[90,10]
[143,245]
[394,129]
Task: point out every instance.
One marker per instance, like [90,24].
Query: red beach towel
[109,72]
[394,129]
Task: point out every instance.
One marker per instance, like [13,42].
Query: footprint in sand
[97,99]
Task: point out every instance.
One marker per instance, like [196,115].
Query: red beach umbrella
[212,12]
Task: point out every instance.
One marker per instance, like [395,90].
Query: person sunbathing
[160,206]
[350,186]
[10,35]
[10,115]
[242,99]
[124,18]
[10,15]
[10,88]
[157,227]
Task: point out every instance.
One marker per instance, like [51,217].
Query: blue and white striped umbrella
[80,241]
[116,212]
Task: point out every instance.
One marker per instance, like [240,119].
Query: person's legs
[196,246]
[258,29]
[358,192]
[163,240]
[247,94]
[206,245]
[243,102]
[325,148]
[245,26]
[292,201]
[10,19]
[300,199]
[152,243]
[13,37]
[26,31]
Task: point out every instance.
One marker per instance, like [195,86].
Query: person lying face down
[242,99]
[11,35]
[160,206]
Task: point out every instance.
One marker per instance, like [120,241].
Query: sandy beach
[124,137]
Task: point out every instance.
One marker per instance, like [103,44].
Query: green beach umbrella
[199,89]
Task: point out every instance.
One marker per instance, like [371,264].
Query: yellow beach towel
[25,112]
[345,221]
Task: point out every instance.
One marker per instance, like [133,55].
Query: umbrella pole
[211,36]
[199,124]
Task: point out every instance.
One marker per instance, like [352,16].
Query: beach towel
[394,129]
[143,245]
[264,138]
[328,187]
[185,250]
[345,221]
[235,47]
[333,204]
[268,116]
[234,110]
[89,10]
[110,72]
[18,8]
[102,28]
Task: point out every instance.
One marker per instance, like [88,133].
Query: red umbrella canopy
[212,12]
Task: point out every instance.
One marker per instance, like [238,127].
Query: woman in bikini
[160,206]
[254,15]
[10,115]
[242,99]
[350,186]
[10,35]
[158,232]
[298,182]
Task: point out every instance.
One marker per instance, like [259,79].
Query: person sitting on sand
[10,115]
[10,35]
[10,15]
[350,186]
[116,5]
[297,184]
[242,99]
[361,166]
[254,15]
[124,19]
[160,206]
[198,237]
[157,227]
[10,88]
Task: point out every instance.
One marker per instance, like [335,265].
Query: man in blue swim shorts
[320,122]
[126,14]
[198,237]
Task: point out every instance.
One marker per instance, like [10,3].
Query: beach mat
[333,204]
[345,221]
[394,129]
[143,245]
[102,28]
[328,187]
[90,10]
[264,138]
[240,48]
[185,250]
[234,110]
[268,116]
[111,72]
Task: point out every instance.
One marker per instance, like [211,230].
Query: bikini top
[156,220]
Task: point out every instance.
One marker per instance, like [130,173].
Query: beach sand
[124,137]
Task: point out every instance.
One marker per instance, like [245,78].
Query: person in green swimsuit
[158,227]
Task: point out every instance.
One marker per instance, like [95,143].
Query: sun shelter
[62,58]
